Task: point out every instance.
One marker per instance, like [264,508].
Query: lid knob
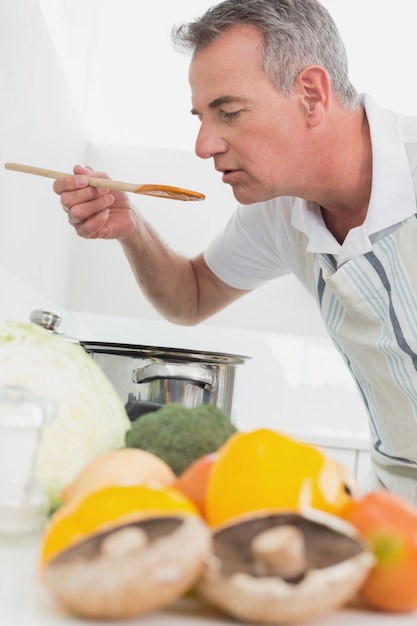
[48,319]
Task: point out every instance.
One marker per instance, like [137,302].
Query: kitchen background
[96,81]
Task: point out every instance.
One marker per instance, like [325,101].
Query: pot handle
[198,375]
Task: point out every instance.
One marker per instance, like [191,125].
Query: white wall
[136,112]
[131,88]
[43,264]
[38,125]
[138,92]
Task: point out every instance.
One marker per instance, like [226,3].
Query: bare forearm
[166,278]
[183,290]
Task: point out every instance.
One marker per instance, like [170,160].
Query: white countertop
[25,602]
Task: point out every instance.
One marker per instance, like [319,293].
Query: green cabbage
[90,416]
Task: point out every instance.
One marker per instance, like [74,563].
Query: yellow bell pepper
[106,508]
[266,470]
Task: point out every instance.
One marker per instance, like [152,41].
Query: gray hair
[296,34]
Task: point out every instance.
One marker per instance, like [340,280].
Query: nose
[208,143]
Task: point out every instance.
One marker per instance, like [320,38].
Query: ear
[313,89]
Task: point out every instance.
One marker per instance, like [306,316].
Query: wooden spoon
[162,191]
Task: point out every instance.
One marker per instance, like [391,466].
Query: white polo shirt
[259,243]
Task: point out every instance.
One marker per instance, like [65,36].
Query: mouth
[229,176]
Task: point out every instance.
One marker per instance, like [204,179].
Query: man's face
[253,132]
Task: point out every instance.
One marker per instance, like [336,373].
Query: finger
[93,199]
[82,211]
[70,183]
[90,228]
[78,181]
[80,169]
[89,171]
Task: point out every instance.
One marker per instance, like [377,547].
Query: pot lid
[50,320]
[133,350]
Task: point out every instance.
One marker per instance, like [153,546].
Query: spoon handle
[94,182]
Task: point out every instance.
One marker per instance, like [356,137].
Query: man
[326,183]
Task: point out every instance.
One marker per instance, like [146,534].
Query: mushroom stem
[123,541]
[280,551]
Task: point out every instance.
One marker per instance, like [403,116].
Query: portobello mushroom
[284,567]
[130,569]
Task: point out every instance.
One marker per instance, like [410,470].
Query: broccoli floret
[180,435]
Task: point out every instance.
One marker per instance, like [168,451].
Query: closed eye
[231,114]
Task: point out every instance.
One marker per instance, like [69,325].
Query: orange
[194,480]
[390,526]
[266,470]
[109,507]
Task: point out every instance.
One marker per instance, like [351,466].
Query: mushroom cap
[337,562]
[130,569]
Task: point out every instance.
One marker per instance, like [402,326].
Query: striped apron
[369,306]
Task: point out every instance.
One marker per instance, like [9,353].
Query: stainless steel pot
[148,377]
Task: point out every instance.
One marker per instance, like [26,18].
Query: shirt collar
[392,194]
